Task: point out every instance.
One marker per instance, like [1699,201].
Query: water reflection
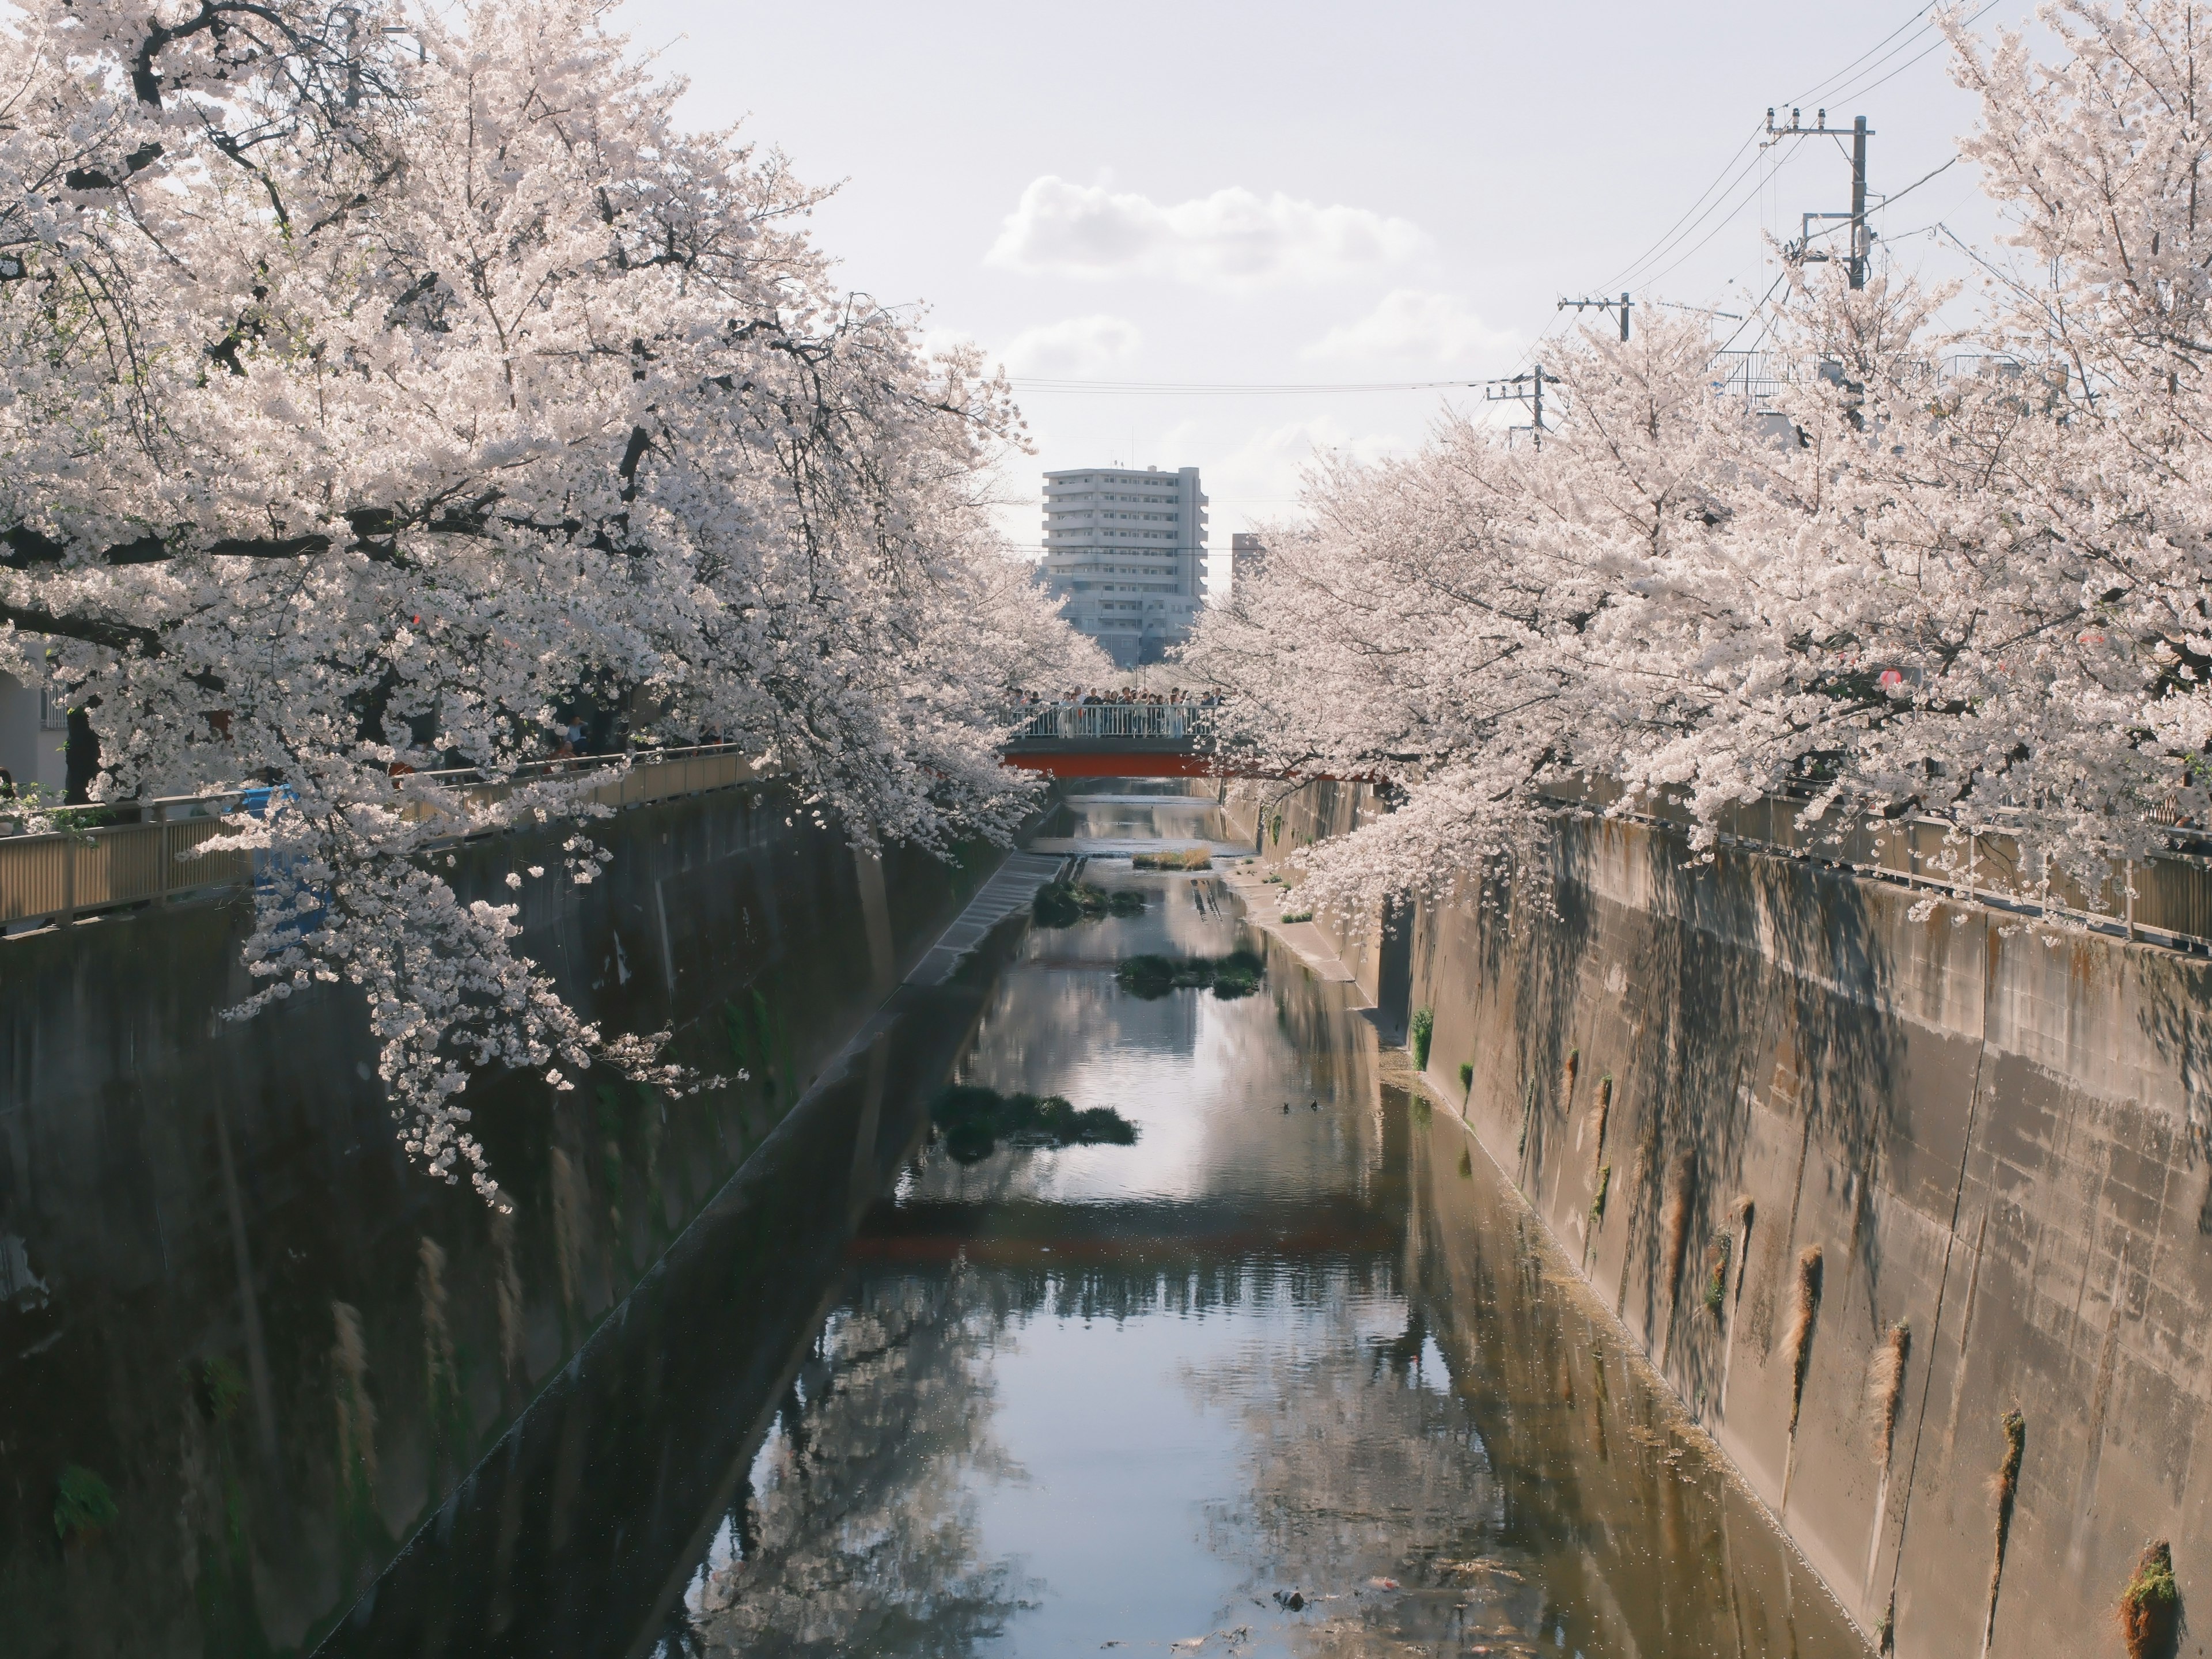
[1292,1375]
[1289,1374]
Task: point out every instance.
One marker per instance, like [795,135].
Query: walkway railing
[1065,721]
[2166,900]
[61,876]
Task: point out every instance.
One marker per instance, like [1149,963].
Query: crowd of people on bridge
[1174,697]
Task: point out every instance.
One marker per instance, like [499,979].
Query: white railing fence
[1066,721]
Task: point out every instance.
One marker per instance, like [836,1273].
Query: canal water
[1286,1374]
[1291,1372]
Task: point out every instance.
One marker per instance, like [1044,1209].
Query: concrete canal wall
[1995,1136]
[226,1296]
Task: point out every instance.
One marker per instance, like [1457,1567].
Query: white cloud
[1262,477]
[1075,346]
[1233,239]
[1410,325]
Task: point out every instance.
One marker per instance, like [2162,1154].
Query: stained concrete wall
[1996,1137]
[225,1291]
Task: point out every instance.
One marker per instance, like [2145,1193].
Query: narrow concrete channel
[1290,1371]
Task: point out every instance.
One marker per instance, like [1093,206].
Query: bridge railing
[58,877]
[1068,721]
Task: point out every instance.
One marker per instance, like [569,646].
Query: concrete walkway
[1010,890]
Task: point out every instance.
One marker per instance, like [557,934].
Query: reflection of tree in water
[1361,1463]
[858,1531]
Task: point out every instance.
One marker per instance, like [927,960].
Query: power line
[1651,253]
[1820,90]
[1233,389]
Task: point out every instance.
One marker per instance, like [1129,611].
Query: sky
[1212,196]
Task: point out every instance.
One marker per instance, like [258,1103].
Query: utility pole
[1602,304]
[1860,239]
[1526,389]
[1861,236]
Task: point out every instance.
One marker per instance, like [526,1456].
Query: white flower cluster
[1960,570]
[380,381]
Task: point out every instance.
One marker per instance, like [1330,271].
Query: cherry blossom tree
[380,381]
[1958,570]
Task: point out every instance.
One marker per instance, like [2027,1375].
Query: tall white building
[1125,553]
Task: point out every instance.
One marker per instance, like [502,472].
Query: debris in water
[1289,1600]
[1480,1564]
[1382,1584]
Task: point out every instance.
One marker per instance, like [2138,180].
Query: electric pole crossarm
[1621,305]
[1526,388]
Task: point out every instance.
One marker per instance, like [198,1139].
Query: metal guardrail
[1169,721]
[2163,900]
[61,876]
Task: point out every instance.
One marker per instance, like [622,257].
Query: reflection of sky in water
[1165,1382]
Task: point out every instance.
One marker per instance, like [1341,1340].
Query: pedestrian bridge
[1117,740]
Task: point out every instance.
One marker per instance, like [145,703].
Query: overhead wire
[1819,89]
[1722,196]
[1231,388]
[1934,46]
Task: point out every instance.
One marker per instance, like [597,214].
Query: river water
[1288,1375]
[1292,1374]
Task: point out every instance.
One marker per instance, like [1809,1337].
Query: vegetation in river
[1466,1078]
[1597,1199]
[1065,904]
[2151,1607]
[1425,1027]
[974,1120]
[1296,916]
[1236,975]
[1181,858]
[84,1505]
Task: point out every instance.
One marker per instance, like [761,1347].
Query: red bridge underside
[1146,764]
[1114,763]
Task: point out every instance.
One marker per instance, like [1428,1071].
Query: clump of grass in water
[1188,857]
[1150,977]
[1465,1077]
[974,1120]
[2151,1607]
[1597,1199]
[1425,1027]
[1296,916]
[1065,904]
[84,1505]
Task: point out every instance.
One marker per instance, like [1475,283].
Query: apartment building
[1125,553]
